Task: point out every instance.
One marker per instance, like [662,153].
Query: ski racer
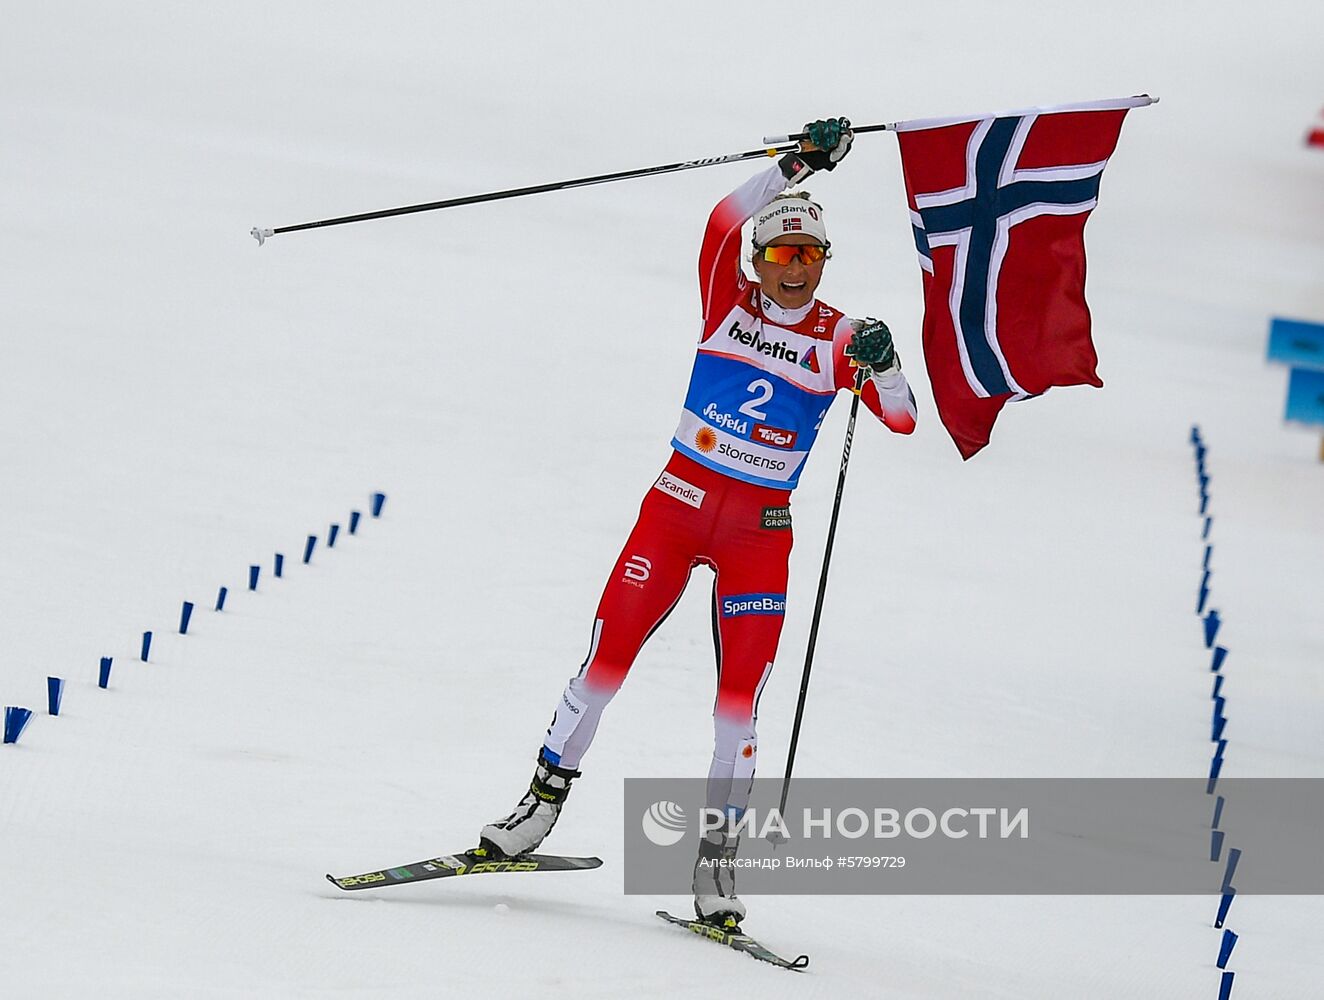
[771,358]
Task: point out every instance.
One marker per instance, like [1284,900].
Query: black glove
[871,347]
[828,143]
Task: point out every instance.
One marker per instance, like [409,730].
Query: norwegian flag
[998,206]
[790,225]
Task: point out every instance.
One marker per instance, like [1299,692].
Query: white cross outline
[960,238]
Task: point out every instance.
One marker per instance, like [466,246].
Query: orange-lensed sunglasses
[809,253]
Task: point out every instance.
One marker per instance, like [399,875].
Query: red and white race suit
[762,382]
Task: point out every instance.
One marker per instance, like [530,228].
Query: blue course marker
[253,573]
[1225,949]
[184,615]
[1218,686]
[16,720]
[220,598]
[331,536]
[1225,987]
[147,646]
[1211,623]
[1204,501]
[1215,767]
[280,565]
[1208,551]
[1195,433]
[1224,905]
[103,678]
[1218,811]
[377,500]
[1215,845]
[354,516]
[1208,522]
[1220,654]
[1204,593]
[54,694]
[1233,856]
[308,548]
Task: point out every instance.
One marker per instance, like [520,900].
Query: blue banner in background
[1296,342]
[1305,396]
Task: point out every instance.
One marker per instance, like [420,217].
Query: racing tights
[693,516]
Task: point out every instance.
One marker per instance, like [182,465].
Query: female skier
[771,358]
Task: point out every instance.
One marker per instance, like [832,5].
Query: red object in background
[1315,137]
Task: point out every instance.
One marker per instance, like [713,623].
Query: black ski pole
[261,234]
[822,591]
[801,136]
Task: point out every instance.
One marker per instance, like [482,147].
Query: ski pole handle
[776,140]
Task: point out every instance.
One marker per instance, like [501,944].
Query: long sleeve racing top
[765,376]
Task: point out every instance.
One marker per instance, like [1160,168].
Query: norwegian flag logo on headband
[998,207]
[791,226]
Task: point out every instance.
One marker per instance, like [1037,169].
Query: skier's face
[792,285]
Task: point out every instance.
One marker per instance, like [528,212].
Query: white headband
[787,217]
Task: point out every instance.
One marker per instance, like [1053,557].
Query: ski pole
[261,234]
[822,591]
[773,140]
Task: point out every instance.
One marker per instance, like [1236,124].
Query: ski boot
[715,899]
[525,828]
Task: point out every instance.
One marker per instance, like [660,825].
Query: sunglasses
[809,253]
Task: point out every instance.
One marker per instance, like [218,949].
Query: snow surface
[178,404]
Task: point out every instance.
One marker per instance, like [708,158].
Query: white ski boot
[533,819]
[715,899]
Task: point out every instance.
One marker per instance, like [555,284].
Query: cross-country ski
[472,862]
[730,934]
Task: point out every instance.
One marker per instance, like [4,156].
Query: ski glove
[871,347]
[828,143]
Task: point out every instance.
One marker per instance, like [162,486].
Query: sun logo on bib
[705,440]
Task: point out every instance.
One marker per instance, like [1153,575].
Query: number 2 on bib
[762,389]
